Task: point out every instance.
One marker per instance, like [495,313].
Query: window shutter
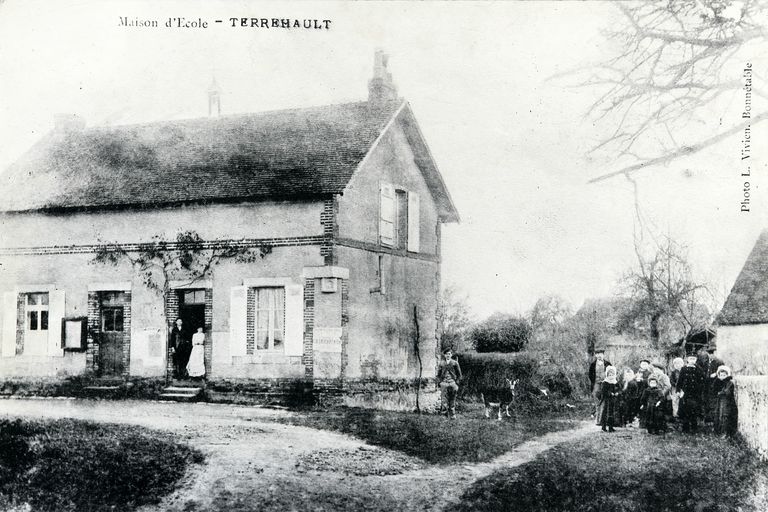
[9,324]
[294,320]
[414,226]
[238,308]
[55,314]
[387,214]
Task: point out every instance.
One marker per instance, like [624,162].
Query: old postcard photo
[332,255]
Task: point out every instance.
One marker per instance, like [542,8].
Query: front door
[192,310]
[112,335]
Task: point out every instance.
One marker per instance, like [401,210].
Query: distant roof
[285,154]
[748,300]
[700,336]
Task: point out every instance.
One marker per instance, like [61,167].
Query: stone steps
[181,393]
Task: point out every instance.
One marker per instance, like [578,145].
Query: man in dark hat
[645,369]
[597,374]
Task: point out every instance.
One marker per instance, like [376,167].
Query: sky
[485,81]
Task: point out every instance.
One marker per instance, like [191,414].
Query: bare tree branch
[673,69]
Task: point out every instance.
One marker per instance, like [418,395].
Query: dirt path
[253,463]
[435,488]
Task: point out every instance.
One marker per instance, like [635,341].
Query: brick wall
[208,348]
[94,331]
[328,219]
[172,312]
[309,327]
[127,335]
[250,322]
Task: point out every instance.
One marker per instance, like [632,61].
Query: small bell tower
[214,99]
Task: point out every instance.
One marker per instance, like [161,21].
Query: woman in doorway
[196,364]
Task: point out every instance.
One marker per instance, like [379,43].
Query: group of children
[687,394]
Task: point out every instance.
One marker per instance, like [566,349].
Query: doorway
[192,310]
[112,333]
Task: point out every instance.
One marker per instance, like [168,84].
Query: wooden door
[111,346]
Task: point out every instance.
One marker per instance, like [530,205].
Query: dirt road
[253,463]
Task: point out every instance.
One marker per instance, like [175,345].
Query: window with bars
[36,312]
[269,318]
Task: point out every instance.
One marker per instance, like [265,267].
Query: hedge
[491,370]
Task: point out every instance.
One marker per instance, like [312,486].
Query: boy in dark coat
[642,385]
[628,398]
[653,407]
[726,413]
[448,378]
[690,387]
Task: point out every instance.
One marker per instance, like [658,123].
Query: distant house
[347,198]
[621,347]
[742,333]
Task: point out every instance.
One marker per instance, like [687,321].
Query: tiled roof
[282,154]
[748,300]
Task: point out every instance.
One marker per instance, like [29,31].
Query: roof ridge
[240,115]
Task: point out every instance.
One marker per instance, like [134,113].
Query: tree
[189,258]
[501,333]
[679,61]
[454,319]
[548,316]
[417,351]
[664,293]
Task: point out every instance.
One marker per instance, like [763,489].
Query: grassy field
[629,471]
[436,439]
[68,465]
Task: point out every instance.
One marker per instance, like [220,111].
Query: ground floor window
[269,318]
[35,336]
[36,311]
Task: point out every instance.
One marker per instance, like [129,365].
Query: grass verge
[69,465]
[469,438]
[629,471]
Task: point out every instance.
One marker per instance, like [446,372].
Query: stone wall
[752,400]
[392,395]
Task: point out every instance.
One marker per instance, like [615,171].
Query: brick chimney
[66,123]
[381,88]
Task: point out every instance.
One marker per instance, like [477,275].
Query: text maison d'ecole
[239,22]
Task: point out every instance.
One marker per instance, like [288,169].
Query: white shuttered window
[238,307]
[387,215]
[414,230]
[9,325]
